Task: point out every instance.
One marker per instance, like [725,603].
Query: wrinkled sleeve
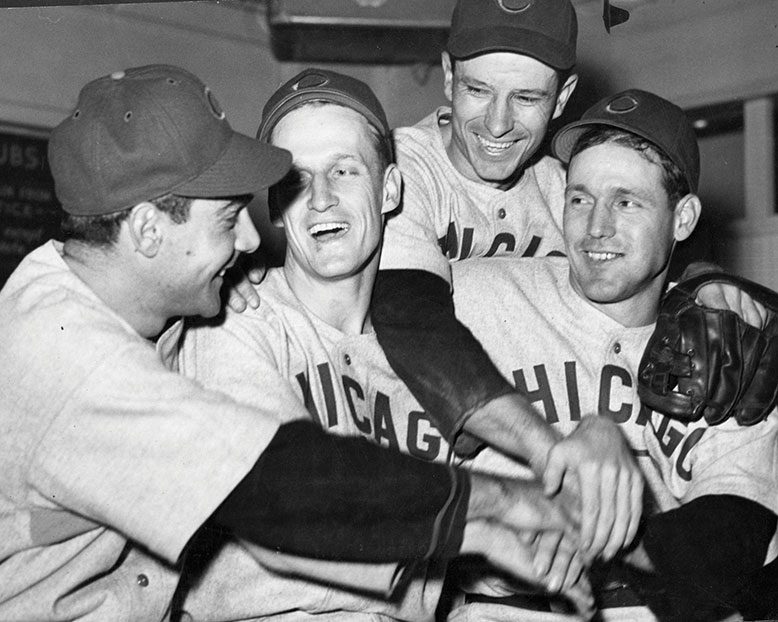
[147,451]
[411,234]
[437,357]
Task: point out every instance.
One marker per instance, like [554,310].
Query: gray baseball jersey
[573,360]
[342,382]
[109,462]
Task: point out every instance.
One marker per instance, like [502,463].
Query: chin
[600,292]
[210,308]
[497,175]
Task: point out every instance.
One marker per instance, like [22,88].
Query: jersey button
[617,347]
[501,213]
[142,580]
[347,358]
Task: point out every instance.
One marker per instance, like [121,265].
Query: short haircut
[674,181]
[103,229]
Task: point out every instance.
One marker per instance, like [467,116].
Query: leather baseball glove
[703,362]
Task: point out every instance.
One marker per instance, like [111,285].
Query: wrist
[510,424]
[487,495]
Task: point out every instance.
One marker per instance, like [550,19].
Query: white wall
[50,52]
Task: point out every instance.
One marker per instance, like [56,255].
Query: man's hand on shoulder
[729,297]
[240,280]
[726,296]
[596,460]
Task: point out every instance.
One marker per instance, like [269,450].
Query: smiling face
[501,104]
[619,229]
[332,204]
[200,251]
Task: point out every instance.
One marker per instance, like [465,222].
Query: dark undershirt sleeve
[705,553]
[317,495]
[435,355]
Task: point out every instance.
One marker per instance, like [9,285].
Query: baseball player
[476,185]
[311,339]
[110,462]
[570,332]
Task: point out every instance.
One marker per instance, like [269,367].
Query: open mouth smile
[601,256]
[326,231]
[227,266]
[494,147]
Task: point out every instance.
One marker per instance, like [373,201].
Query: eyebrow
[523,91]
[234,205]
[618,191]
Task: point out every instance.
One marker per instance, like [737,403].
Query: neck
[640,309]
[342,303]
[110,275]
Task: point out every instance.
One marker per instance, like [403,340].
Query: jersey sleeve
[410,235]
[241,358]
[146,451]
[437,357]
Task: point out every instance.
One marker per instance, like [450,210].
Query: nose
[322,197]
[246,235]
[499,120]
[601,221]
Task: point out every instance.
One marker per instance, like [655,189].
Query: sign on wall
[29,211]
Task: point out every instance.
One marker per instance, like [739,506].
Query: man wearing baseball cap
[476,186]
[311,339]
[710,523]
[110,461]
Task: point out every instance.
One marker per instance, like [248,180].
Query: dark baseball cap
[326,86]
[546,30]
[148,131]
[647,115]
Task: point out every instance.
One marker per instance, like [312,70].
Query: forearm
[329,497]
[511,425]
[437,357]
[703,554]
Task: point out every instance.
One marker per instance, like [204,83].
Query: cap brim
[565,139]
[293,100]
[246,166]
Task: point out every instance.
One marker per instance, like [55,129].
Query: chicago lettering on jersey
[562,404]
[412,432]
[504,243]
[548,399]
[676,443]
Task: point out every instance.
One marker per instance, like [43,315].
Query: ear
[564,94]
[393,183]
[448,76]
[145,227]
[685,216]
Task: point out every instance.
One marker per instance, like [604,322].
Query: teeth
[494,147]
[328,227]
[601,256]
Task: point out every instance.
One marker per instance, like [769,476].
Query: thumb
[256,274]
